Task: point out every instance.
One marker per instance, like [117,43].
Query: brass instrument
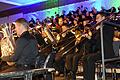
[7,42]
[58,38]
[50,36]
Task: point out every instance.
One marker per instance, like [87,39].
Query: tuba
[7,42]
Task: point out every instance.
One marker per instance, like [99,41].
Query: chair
[46,63]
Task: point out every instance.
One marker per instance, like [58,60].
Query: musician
[75,21]
[65,38]
[116,42]
[60,23]
[81,45]
[103,9]
[92,57]
[38,35]
[25,51]
[94,12]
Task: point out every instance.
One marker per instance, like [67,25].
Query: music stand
[111,24]
[102,50]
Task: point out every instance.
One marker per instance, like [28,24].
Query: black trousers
[89,65]
[71,64]
[72,61]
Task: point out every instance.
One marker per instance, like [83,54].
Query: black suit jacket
[108,33]
[26,50]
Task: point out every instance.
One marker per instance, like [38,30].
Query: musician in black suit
[82,43]
[26,49]
[67,40]
[92,57]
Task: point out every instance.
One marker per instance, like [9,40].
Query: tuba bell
[7,42]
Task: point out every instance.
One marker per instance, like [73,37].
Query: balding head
[23,22]
[21,25]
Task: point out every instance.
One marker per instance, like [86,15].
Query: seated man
[66,41]
[83,46]
[26,50]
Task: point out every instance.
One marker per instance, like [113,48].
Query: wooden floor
[81,77]
[62,78]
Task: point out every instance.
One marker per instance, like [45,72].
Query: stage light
[25,2]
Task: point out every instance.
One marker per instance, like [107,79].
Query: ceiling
[10,7]
[8,4]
